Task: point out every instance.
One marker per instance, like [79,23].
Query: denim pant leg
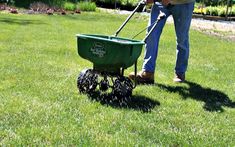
[151,48]
[182,15]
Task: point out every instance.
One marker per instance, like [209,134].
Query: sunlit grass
[40,104]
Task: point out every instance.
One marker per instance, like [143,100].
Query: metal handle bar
[143,2]
[160,16]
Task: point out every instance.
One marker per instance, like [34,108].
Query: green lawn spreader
[110,56]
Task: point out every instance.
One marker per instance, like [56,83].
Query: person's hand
[165,2]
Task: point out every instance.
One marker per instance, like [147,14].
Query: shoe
[179,78]
[142,77]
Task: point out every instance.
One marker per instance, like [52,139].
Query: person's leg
[146,76]
[182,15]
[152,41]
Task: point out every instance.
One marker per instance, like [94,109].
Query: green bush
[129,2]
[214,11]
[233,11]
[70,6]
[213,2]
[208,10]
[87,6]
[219,11]
[222,11]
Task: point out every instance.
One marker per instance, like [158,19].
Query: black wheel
[87,81]
[104,85]
[122,87]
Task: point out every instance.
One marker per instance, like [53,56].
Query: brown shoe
[142,77]
[179,78]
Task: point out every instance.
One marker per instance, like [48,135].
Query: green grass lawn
[40,104]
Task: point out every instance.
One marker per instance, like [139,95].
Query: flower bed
[215,11]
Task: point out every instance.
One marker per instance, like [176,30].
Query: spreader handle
[143,2]
[160,16]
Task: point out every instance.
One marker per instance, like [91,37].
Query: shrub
[87,6]
[208,10]
[214,11]
[69,6]
[129,2]
[196,10]
[199,10]
[222,11]
[233,11]
[213,2]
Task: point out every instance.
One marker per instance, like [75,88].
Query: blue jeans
[182,14]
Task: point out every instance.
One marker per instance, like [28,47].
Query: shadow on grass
[21,21]
[214,100]
[139,103]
